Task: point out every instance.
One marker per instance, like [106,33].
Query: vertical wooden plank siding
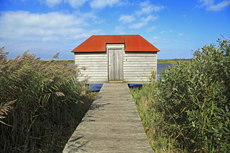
[137,66]
[115,64]
[96,64]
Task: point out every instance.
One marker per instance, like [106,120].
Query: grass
[41,103]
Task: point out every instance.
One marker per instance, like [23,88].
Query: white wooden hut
[121,58]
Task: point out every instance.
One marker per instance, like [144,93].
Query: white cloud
[162,31]
[44,34]
[143,22]
[149,18]
[171,30]
[53,27]
[218,6]
[147,8]
[151,28]
[126,18]
[137,25]
[85,16]
[207,2]
[52,3]
[180,34]
[76,3]
[211,5]
[103,3]
[157,39]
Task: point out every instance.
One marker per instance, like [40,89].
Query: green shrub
[39,103]
[145,98]
[194,100]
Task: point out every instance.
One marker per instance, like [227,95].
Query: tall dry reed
[39,103]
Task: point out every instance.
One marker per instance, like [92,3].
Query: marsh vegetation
[187,109]
[41,103]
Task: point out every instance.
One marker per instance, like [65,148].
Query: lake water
[160,66]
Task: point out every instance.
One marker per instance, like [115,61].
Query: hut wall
[96,66]
[137,66]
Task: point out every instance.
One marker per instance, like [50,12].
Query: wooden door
[115,64]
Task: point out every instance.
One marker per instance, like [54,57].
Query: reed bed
[187,109]
[40,103]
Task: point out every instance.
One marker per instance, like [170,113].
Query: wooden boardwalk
[112,125]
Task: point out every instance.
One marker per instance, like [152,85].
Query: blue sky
[46,27]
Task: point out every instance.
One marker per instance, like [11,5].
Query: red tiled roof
[97,43]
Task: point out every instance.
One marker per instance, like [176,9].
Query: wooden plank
[134,77]
[135,69]
[93,60]
[138,59]
[96,78]
[90,54]
[92,75]
[94,71]
[99,79]
[96,82]
[135,64]
[95,74]
[137,74]
[139,79]
[139,55]
[90,60]
[104,58]
[93,64]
